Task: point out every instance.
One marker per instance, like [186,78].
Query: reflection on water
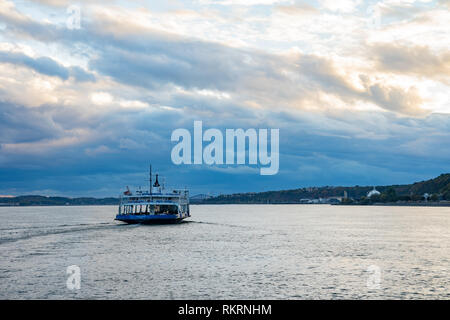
[228,252]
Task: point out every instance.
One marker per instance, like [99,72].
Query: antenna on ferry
[156,185]
[150,179]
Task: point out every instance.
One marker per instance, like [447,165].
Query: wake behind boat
[155,206]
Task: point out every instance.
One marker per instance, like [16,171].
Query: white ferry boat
[154,206]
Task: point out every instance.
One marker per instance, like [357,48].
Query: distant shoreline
[423,204]
[430,193]
[433,192]
[411,204]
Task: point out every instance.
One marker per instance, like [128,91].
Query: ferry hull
[150,219]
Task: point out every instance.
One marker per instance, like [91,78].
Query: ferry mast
[150,179]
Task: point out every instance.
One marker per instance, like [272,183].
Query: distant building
[330,200]
[373,192]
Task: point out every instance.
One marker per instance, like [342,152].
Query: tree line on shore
[437,189]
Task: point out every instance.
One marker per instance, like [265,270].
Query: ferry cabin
[155,204]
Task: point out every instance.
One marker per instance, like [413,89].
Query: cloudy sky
[359,91]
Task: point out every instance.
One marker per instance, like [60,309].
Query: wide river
[228,252]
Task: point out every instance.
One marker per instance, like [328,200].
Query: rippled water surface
[228,252]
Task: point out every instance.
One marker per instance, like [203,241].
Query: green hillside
[34,200]
[439,187]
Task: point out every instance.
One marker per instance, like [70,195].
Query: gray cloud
[328,146]
[417,60]
[21,124]
[42,65]
[396,99]
[150,59]
[297,9]
[46,66]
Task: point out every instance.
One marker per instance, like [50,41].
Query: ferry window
[166,209]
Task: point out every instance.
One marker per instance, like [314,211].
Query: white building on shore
[373,192]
